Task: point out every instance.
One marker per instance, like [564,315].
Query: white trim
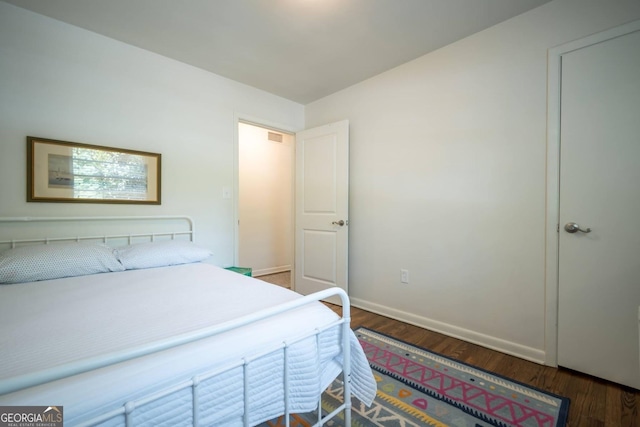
[271,270]
[241,118]
[498,344]
[553,178]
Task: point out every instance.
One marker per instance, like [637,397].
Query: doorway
[265,201]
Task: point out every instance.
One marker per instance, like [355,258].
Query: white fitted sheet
[54,322]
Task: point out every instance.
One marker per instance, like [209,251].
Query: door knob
[572,227]
[340,223]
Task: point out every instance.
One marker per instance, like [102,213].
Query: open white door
[322,208]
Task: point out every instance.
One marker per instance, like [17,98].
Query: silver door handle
[340,223]
[572,227]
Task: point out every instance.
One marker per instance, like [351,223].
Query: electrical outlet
[404,276]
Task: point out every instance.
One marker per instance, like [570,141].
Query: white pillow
[159,254]
[43,262]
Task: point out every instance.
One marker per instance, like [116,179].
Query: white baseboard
[498,344]
[272,270]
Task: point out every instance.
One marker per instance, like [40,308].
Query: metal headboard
[46,229]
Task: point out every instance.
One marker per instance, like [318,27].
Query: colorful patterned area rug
[419,388]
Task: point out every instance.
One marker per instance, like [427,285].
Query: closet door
[599,230]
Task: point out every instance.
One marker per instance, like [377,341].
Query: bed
[145,332]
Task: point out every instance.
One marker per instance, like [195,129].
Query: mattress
[56,322]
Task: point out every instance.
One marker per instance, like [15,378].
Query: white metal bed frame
[64,371]
[104,238]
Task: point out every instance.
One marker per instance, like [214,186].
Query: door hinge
[557,228]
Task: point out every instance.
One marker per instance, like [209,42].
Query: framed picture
[60,171]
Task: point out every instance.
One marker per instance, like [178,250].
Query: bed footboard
[192,385]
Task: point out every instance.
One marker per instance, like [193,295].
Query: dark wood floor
[594,402]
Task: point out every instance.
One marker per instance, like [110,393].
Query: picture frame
[72,172]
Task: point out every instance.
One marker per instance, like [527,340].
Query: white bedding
[45,324]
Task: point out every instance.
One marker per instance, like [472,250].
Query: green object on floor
[242,270]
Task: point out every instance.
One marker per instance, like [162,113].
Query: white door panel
[322,201]
[599,271]
[320,192]
[320,256]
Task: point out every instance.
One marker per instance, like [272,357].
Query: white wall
[61,82]
[265,204]
[448,178]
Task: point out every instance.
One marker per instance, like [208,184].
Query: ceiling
[301,50]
